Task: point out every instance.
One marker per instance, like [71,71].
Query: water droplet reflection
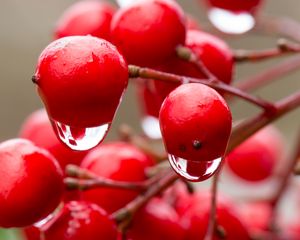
[151,127]
[192,170]
[231,22]
[125,3]
[80,139]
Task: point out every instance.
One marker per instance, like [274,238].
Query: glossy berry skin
[31,183]
[81,80]
[235,5]
[86,18]
[79,221]
[256,158]
[37,128]
[196,215]
[147,32]
[117,161]
[214,53]
[195,123]
[157,220]
[32,233]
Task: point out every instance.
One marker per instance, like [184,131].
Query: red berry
[31,183]
[212,51]
[86,17]
[32,233]
[81,80]
[147,32]
[196,215]
[195,123]
[37,128]
[79,221]
[256,158]
[157,220]
[117,161]
[236,5]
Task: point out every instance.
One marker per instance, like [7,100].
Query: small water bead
[151,127]
[231,22]
[192,170]
[80,139]
[125,3]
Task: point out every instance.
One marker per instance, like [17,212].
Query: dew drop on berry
[80,139]
[151,127]
[192,170]
[231,22]
[125,3]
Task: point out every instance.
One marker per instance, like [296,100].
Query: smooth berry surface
[148,31]
[80,221]
[37,128]
[32,233]
[81,80]
[236,5]
[157,220]
[86,17]
[256,158]
[117,161]
[195,123]
[31,183]
[213,52]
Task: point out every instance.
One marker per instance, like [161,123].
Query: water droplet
[231,22]
[151,127]
[125,3]
[41,223]
[80,139]
[194,171]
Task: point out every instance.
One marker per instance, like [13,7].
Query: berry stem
[270,74]
[284,47]
[147,73]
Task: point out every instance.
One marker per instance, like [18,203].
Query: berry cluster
[58,182]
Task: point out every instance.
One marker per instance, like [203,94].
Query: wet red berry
[86,17]
[196,215]
[256,158]
[37,128]
[195,123]
[235,5]
[147,32]
[157,220]
[31,183]
[81,80]
[79,221]
[117,161]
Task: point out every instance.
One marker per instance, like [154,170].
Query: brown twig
[269,75]
[284,47]
[147,73]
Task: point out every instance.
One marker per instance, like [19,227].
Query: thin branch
[147,73]
[269,75]
[284,47]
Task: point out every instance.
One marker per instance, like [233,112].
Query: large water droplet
[125,3]
[194,171]
[231,22]
[151,127]
[80,139]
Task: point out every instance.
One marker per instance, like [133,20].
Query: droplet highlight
[195,171]
[125,3]
[80,139]
[231,22]
[151,128]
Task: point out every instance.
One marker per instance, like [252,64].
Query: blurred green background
[26,28]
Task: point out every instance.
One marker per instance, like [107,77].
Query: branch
[147,73]
[284,47]
[268,75]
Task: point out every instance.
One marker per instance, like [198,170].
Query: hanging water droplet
[231,22]
[125,3]
[80,139]
[151,127]
[192,170]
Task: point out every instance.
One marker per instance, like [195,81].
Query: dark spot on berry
[182,148]
[197,144]
[34,79]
